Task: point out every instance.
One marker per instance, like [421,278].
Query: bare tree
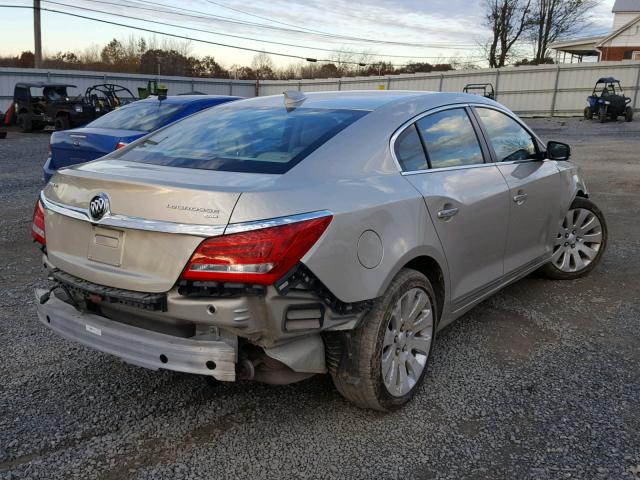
[508,20]
[553,19]
[263,66]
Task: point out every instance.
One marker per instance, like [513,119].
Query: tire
[26,124]
[588,114]
[62,123]
[585,244]
[365,385]
[603,115]
[628,114]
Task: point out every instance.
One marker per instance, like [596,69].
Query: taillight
[37,226]
[119,145]
[258,256]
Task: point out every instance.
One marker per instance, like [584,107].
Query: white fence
[546,90]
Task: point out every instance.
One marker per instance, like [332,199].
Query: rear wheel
[628,114]
[391,347]
[588,114]
[26,124]
[62,123]
[580,242]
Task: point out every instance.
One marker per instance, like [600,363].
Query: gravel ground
[539,382]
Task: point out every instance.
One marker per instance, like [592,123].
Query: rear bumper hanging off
[138,346]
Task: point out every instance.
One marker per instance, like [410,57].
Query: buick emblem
[98,206]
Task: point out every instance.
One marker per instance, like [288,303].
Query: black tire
[603,114]
[628,114]
[62,123]
[26,124]
[364,386]
[551,271]
[588,114]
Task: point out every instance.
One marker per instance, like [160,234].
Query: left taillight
[120,145]
[37,225]
[258,256]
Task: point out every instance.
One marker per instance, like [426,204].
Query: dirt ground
[542,381]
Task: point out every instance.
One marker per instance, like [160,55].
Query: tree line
[174,58]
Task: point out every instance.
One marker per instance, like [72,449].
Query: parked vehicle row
[276,238]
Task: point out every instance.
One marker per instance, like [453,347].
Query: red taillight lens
[37,226]
[258,256]
[119,145]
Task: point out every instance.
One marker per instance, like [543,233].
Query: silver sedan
[276,238]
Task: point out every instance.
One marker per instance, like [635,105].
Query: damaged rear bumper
[138,346]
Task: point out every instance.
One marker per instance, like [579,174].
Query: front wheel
[588,113]
[580,242]
[390,349]
[628,114]
[603,114]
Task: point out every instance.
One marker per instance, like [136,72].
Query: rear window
[243,139]
[143,116]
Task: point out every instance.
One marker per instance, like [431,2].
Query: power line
[272,27]
[231,35]
[183,37]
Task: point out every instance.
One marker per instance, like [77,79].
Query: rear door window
[510,141]
[450,139]
[409,151]
[243,139]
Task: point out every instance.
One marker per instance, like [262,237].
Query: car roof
[43,84]
[187,99]
[369,100]
[607,80]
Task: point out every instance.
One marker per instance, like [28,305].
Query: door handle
[520,198]
[447,213]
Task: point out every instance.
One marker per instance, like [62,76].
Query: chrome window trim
[138,223]
[274,222]
[420,116]
[133,223]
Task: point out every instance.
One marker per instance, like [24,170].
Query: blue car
[120,127]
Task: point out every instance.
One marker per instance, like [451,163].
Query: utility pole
[37,36]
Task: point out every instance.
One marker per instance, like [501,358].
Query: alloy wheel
[578,241]
[407,342]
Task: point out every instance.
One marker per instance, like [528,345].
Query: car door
[466,196]
[534,187]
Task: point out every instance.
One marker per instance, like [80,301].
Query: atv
[483,89]
[39,104]
[608,101]
[106,97]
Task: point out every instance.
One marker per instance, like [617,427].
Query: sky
[442,28]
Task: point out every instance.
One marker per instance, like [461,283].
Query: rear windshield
[143,116]
[243,139]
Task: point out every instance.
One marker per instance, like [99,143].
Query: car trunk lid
[160,215]
[71,147]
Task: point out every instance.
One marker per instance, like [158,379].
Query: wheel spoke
[592,238]
[582,215]
[578,263]
[563,261]
[589,225]
[589,252]
[395,317]
[403,381]
[420,343]
[389,338]
[557,254]
[424,321]
[391,374]
[419,301]
[414,368]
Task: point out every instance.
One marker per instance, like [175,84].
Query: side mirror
[558,151]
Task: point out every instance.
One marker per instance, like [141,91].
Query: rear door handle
[447,213]
[520,198]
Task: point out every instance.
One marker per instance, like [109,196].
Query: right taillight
[120,145]
[259,256]
[37,225]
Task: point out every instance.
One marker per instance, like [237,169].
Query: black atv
[608,101]
[39,104]
[482,89]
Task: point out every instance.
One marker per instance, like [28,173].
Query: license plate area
[106,245]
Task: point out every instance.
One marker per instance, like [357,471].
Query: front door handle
[520,198]
[447,213]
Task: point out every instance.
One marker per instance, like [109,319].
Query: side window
[409,151]
[450,139]
[510,141]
